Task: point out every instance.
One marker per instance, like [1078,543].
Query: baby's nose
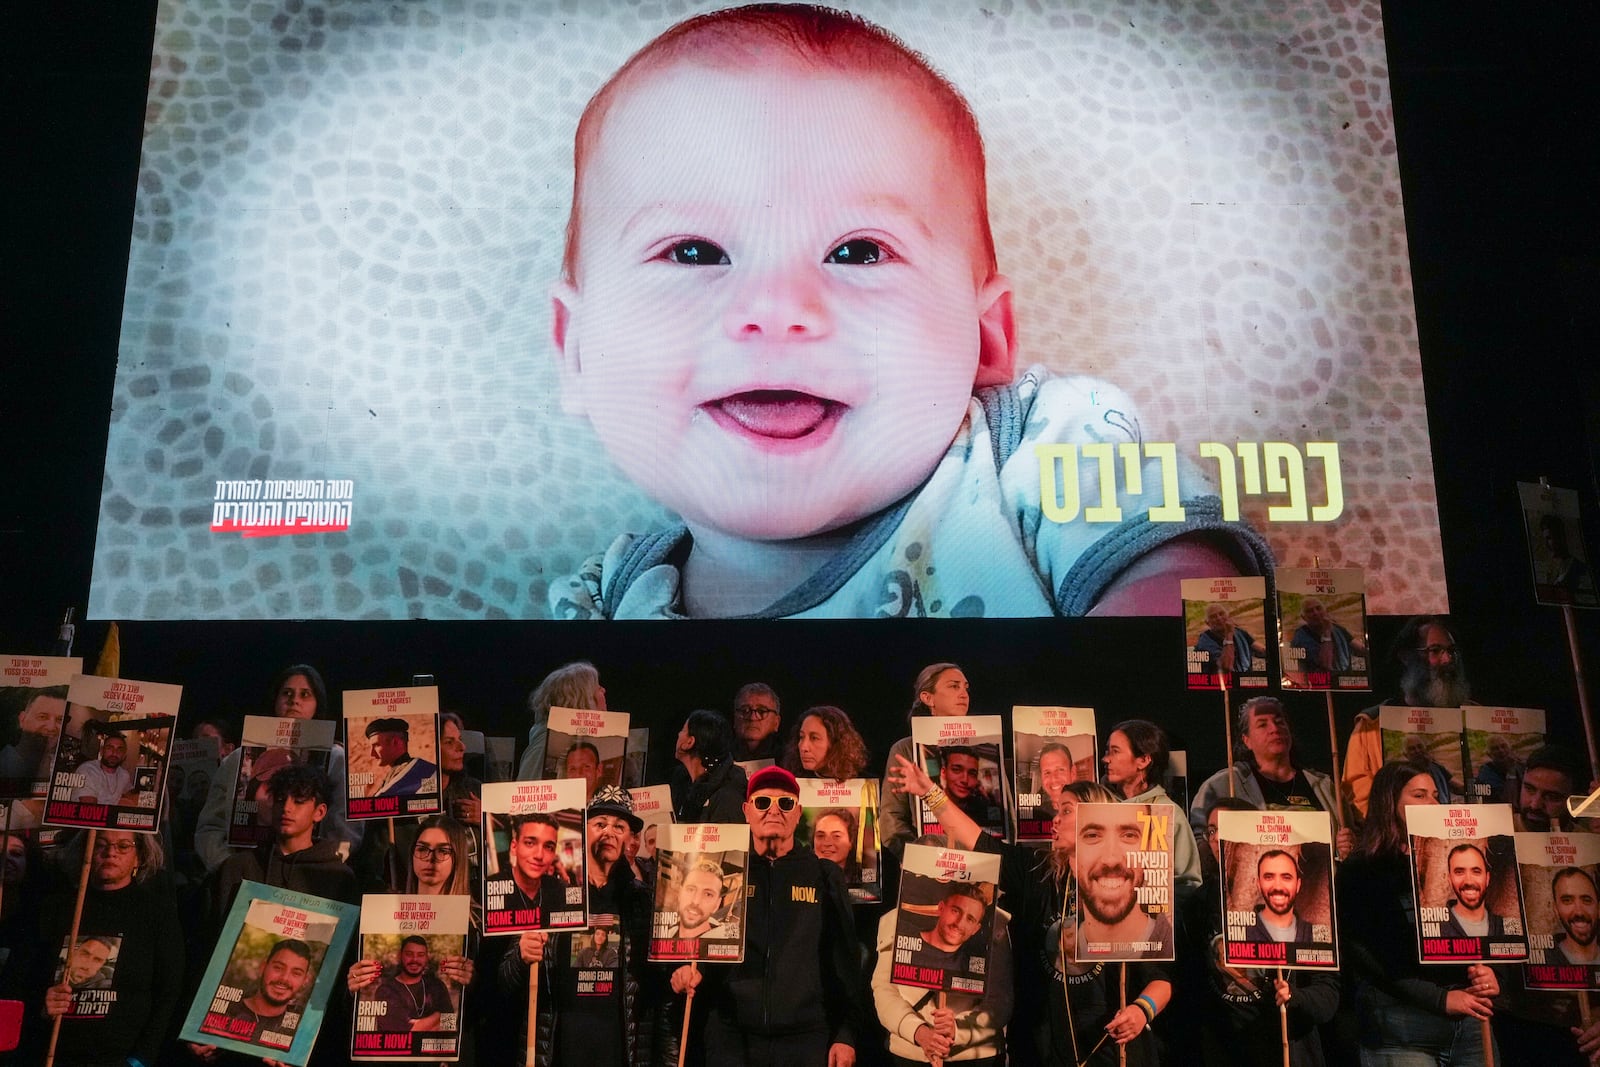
[777,305]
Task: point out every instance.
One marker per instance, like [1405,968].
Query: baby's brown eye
[857,252]
[697,253]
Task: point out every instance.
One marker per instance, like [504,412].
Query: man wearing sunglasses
[757,716]
[796,999]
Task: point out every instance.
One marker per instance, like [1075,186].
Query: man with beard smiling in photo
[1278,879]
[285,975]
[1572,891]
[1431,676]
[1468,868]
[1109,890]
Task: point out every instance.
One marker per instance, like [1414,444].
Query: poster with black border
[1125,890]
[1499,742]
[1322,628]
[110,769]
[266,989]
[1563,574]
[1225,628]
[1425,734]
[586,745]
[944,921]
[839,822]
[1050,747]
[1560,875]
[965,756]
[700,893]
[33,707]
[1277,889]
[413,1012]
[391,741]
[1467,883]
[268,744]
[534,856]
[653,805]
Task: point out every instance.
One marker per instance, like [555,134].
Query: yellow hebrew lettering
[1132,473]
[1059,500]
[1169,510]
[1286,472]
[1251,458]
[1328,452]
[1107,510]
[1227,480]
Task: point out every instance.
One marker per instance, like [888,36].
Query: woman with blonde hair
[571,685]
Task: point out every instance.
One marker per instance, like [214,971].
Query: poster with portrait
[1322,628]
[267,745]
[700,893]
[1051,747]
[1225,626]
[88,966]
[1562,571]
[534,859]
[586,745]
[1277,889]
[110,766]
[594,956]
[945,919]
[1468,886]
[1426,735]
[1560,875]
[964,755]
[413,1012]
[633,760]
[1125,890]
[391,741]
[839,822]
[190,768]
[1499,742]
[33,707]
[653,805]
[266,988]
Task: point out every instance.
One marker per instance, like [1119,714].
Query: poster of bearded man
[1560,872]
[1468,888]
[1125,899]
[1277,889]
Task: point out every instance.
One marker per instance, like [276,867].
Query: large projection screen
[338,394]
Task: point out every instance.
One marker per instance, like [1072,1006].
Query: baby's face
[780,310]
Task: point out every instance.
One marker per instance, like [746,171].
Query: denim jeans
[1399,1035]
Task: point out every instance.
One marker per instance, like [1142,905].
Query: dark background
[1495,108]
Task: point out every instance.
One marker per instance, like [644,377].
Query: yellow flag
[110,662]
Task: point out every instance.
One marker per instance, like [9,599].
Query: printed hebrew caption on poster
[266,746]
[1322,629]
[653,805]
[1499,742]
[586,745]
[111,756]
[1224,625]
[700,893]
[1277,889]
[1430,736]
[33,707]
[534,858]
[391,740]
[89,968]
[1468,887]
[633,761]
[1562,904]
[1051,748]
[839,822]
[266,988]
[1562,570]
[1125,900]
[413,1011]
[945,919]
[963,755]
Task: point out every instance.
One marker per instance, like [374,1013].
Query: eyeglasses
[1439,650]
[121,848]
[441,852]
[785,803]
[754,711]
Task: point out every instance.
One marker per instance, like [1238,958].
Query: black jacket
[717,797]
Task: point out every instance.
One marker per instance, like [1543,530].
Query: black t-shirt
[1293,795]
[590,997]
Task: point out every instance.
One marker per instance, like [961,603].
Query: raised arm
[906,777]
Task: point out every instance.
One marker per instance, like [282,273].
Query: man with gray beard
[1431,676]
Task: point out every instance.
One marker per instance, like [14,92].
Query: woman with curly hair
[826,744]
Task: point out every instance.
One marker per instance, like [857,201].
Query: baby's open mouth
[778,413]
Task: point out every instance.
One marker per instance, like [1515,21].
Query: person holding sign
[1402,1006]
[1136,763]
[1063,1029]
[941,690]
[795,999]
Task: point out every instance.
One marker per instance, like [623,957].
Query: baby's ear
[997,333]
[564,302]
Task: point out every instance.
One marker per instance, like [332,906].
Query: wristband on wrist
[937,798]
[1147,1006]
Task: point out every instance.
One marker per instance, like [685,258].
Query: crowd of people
[815,982]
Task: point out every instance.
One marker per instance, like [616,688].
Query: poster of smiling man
[700,893]
[1560,875]
[33,707]
[1277,889]
[1051,748]
[945,919]
[534,859]
[1125,899]
[1468,886]
[111,756]
[414,964]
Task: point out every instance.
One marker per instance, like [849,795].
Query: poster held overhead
[1277,889]
[33,708]
[586,745]
[392,751]
[1563,575]
[534,859]
[1560,873]
[1499,742]
[267,745]
[700,893]
[413,1011]
[1322,629]
[110,767]
[1426,735]
[945,919]
[1468,887]
[653,805]
[1224,620]
[1051,747]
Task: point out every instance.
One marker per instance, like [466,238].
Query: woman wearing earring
[941,689]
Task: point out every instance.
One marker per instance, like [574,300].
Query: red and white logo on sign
[269,507]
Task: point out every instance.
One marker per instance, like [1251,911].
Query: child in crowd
[781,311]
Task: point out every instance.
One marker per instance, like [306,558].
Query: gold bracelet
[937,798]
